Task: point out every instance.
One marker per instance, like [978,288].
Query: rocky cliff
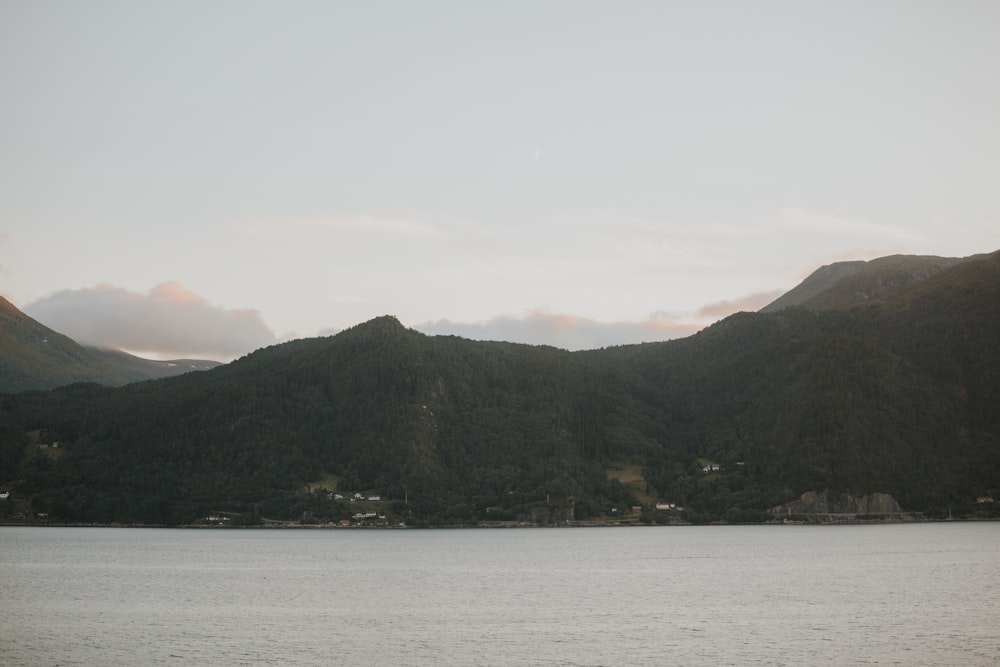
[832,502]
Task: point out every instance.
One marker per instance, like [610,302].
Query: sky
[204,179]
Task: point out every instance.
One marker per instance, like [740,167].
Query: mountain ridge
[894,396]
[846,284]
[35,357]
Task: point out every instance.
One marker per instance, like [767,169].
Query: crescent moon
[538,152]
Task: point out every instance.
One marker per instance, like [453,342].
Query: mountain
[36,357]
[32,356]
[894,397]
[845,284]
[138,369]
[897,395]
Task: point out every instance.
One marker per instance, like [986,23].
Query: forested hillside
[898,395]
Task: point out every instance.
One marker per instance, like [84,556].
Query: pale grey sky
[573,173]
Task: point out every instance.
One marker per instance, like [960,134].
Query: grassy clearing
[328,481]
[630,475]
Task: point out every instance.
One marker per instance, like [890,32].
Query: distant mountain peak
[381,325]
[387,321]
[814,284]
[846,284]
[33,356]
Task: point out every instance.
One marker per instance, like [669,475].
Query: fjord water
[916,594]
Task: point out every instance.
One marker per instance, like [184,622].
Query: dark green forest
[899,395]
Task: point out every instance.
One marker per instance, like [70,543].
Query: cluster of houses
[367,517]
[662,505]
[353,498]
[715,467]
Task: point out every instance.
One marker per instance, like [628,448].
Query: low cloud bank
[167,320]
[561,330]
[749,303]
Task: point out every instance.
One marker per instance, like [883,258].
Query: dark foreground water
[922,594]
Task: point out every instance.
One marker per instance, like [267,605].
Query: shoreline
[512,525]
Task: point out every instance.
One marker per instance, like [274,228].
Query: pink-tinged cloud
[748,303]
[569,332]
[167,320]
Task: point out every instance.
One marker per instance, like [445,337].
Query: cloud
[339,229]
[167,320]
[570,332]
[828,225]
[749,302]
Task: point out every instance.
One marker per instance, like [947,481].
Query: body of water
[915,594]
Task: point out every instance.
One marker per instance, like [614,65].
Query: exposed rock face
[552,515]
[832,502]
